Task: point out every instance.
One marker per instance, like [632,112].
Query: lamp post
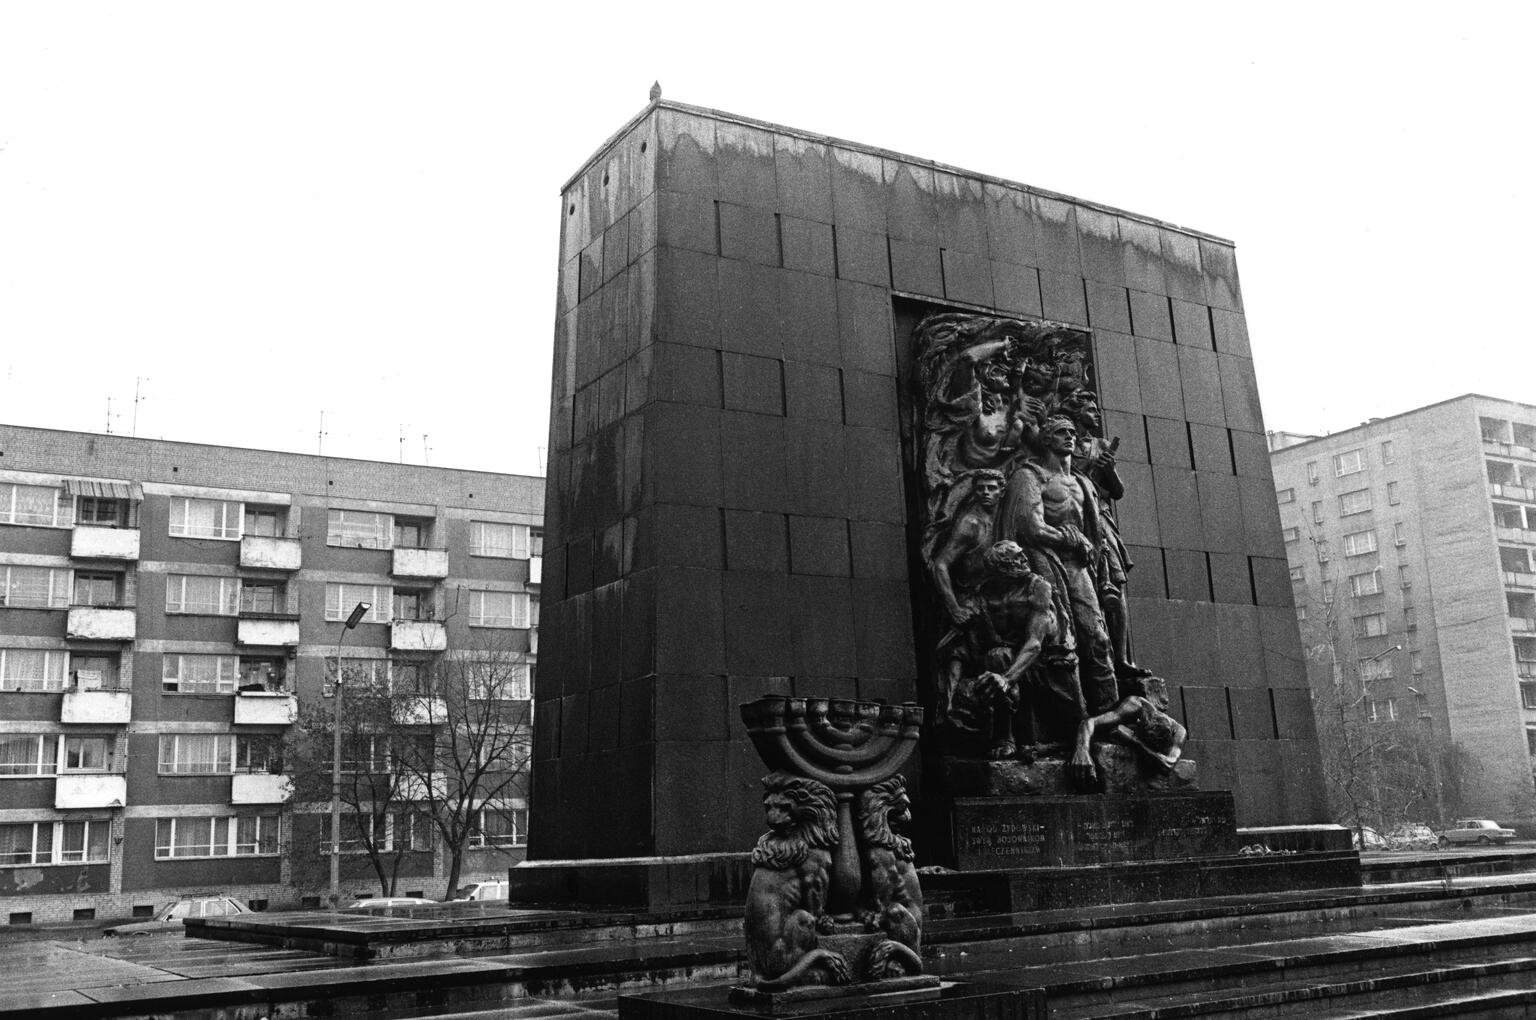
[358,611]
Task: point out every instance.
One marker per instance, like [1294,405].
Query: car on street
[1412,836]
[389,902]
[1367,838]
[495,890]
[1476,831]
[170,916]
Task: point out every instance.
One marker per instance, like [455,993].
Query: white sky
[259,212]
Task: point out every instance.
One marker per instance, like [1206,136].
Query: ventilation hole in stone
[642,146]
[605,178]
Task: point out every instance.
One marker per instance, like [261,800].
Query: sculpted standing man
[1050,510]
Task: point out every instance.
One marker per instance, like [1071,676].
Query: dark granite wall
[725,506]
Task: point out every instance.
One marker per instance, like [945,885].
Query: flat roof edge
[1391,417]
[874,150]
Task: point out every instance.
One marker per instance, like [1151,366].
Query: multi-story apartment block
[166,608]
[1415,535]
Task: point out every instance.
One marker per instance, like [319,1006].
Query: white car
[169,917]
[484,891]
[389,902]
[1479,831]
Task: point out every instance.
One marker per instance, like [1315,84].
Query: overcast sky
[257,214]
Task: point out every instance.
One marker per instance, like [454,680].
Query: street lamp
[358,612]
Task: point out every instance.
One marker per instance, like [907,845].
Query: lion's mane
[814,809]
[875,807]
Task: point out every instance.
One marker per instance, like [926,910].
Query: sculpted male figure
[1140,720]
[1052,513]
[955,567]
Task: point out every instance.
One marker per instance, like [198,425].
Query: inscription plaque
[993,833]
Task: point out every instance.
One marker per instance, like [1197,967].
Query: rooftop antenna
[541,452]
[109,416]
[320,438]
[136,400]
[402,443]
[426,451]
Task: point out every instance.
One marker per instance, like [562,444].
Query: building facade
[1411,542]
[166,611]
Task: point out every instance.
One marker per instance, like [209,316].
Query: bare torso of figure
[992,435]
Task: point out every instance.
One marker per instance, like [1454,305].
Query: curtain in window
[35,504]
[28,754]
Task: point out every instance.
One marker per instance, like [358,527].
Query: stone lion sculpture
[897,908]
[786,900]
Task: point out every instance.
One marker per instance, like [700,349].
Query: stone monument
[832,421]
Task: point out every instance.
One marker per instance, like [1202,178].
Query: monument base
[949,1001]
[786,1000]
[1043,772]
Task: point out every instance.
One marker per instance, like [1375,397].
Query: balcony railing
[535,570]
[1519,579]
[1525,535]
[265,708]
[92,542]
[420,563]
[90,790]
[1513,492]
[1522,624]
[100,623]
[418,636]
[110,707]
[265,552]
[274,629]
[420,711]
[1504,449]
[260,788]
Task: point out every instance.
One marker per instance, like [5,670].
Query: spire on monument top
[655,91]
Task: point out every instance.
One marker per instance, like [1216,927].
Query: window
[509,541]
[414,604]
[1370,625]
[267,673]
[1393,499]
[1365,584]
[199,674]
[1301,614]
[1284,496]
[87,753]
[1317,511]
[203,596]
[358,529]
[1399,534]
[262,597]
[1404,576]
[35,505]
[1357,502]
[341,599]
[1384,710]
[412,532]
[1327,592]
[31,669]
[411,830]
[1290,534]
[1298,573]
[364,754]
[494,681]
[498,609]
[1376,669]
[1528,696]
[206,518]
[240,836]
[263,521]
[1311,472]
[359,674]
[1348,463]
[258,752]
[197,754]
[1416,662]
[1388,455]
[535,541]
[1323,555]
[411,676]
[1359,543]
[29,754]
[499,827]
[34,587]
[97,588]
[92,671]
[38,843]
[101,512]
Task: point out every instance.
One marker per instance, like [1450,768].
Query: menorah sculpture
[834,898]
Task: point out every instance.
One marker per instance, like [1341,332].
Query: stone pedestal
[1122,771]
[956,1001]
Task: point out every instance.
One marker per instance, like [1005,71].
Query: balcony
[535,570]
[418,636]
[90,791]
[1503,449]
[1519,579]
[420,711]
[413,787]
[264,552]
[260,788]
[1522,624]
[270,629]
[97,706]
[99,623]
[265,708]
[420,563]
[94,543]
[1525,535]
[1519,492]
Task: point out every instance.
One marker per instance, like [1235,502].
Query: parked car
[1412,836]
[1480,831]
[388,903]
[484,891]
[169,917]
[1367,838]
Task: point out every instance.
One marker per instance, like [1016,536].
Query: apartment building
[1415,535]
[165,610]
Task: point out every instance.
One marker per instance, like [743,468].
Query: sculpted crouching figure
[786,901]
